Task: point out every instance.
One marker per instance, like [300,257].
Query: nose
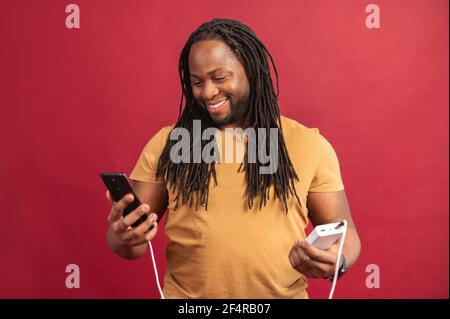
[208,91]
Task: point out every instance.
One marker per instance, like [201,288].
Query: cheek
[246,88]
[234,90]
[242,87]
[195,92]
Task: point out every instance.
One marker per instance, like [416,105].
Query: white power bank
[323,236]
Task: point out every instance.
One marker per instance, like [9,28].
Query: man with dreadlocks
[233,231]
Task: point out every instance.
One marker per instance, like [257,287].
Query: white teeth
[215,106]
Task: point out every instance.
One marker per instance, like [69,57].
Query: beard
[238,111]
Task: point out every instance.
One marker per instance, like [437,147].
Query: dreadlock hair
[189,180]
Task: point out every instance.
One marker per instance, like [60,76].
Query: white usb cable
[338,260]
[156,270]
[336,271]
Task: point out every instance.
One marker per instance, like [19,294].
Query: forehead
[209,55]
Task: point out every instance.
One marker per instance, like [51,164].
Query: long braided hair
[189,180]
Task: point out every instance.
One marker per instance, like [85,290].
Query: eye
[196,83]
[220,78]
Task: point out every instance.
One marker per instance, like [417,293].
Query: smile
[217,105]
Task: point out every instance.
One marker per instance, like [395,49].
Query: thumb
[108,196]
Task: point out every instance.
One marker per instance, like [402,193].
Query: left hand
[313,262]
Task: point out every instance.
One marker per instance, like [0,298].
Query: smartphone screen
[118,185]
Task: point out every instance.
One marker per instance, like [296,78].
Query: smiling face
[219,82]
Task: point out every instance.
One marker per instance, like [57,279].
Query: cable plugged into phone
[323,236]
[118,185]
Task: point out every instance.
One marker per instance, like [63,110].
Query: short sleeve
[145,168]
[327,176]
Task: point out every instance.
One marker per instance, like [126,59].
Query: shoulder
[157,141]
[293,129]
[165,130]
[163,133]
[302,139]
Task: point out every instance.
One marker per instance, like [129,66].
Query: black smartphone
[118,185]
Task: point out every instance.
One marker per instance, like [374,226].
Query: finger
[130,237]
[146,225]
[108,196]
[120,227]
[301,257]
[334,248]
[117,209]
[134,239]
[294,258]
[310,267]
[299,261]
[291,260]
[317,269]
[149,236]
[316,254]
[134,216]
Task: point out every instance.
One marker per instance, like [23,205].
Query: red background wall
[81,101]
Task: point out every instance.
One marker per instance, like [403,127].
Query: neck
[233,125]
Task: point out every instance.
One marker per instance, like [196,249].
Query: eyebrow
[211,72]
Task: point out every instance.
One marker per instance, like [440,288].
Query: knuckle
[152,218]
[138,212]
[116,209]
[128,198]
[124,222]
[115,227]
[124,201]
[142,212]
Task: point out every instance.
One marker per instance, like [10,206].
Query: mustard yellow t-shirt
[229,251]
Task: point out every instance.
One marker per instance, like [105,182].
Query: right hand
[120,226]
